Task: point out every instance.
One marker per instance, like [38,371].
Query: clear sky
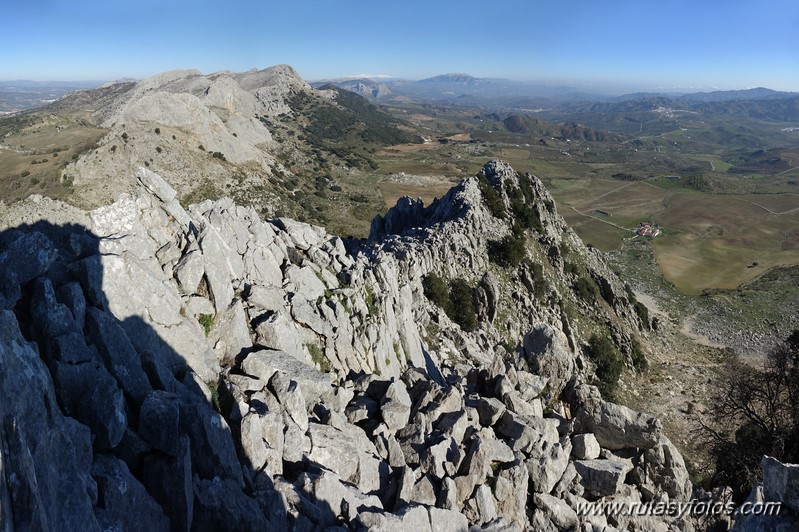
[650,44]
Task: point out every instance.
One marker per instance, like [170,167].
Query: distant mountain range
[453,78]
[459,88]
[18,95]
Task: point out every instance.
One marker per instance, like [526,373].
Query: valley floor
[678,385]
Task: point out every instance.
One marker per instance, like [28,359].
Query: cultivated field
[708,241]
[33,153]
[392,191]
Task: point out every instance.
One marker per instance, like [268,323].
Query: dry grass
[595,232]
[514,154]
[393,191]
[460,137]
[709,241]
[634,202]
[577,191]
[720,239]
[32,158]
[774,202]
[403,149]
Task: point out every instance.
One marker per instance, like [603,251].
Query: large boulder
[781,482]
[126,505]
[614,426]
[119,356]
[585,447]
[601,478]
[396,406]
[348,454]
[25,258]
[264,363]
[47,455]
[549,354]
[665,468]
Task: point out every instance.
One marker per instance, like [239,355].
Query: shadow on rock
[104,425]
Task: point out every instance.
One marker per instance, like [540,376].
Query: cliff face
[205,369]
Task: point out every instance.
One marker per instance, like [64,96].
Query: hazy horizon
[588,87]
[682,46]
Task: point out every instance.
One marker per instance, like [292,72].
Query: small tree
[609,363]
[754,412]
[461,298]
[492,198]
[456,299]
[509,251]
[436,290]
[586,289]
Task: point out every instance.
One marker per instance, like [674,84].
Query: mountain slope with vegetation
[264,137]
[226,371]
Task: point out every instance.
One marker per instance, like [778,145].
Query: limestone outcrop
[202,368]
[188,125]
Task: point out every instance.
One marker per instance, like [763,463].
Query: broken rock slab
[602,478]
[264,363]
[614,426]
[585,447]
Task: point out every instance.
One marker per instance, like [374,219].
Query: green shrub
[319,358]
[436,290]
[492,198]
[207,321]
[158,131]
[570,268]
[609,363]
[643,313]
[396,350]
[524,209]
[455,298]
[461,298]
[508,252]
[540,284]
[638,357]
[586,289]
[221,398]
[371,305]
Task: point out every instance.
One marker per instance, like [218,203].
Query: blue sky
[643,43]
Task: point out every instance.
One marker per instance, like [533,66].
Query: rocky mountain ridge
[263,137]
[204,369]
[170,116]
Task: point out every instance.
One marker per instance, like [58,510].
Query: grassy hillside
[34,149]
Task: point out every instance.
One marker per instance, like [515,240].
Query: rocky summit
[203,369]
